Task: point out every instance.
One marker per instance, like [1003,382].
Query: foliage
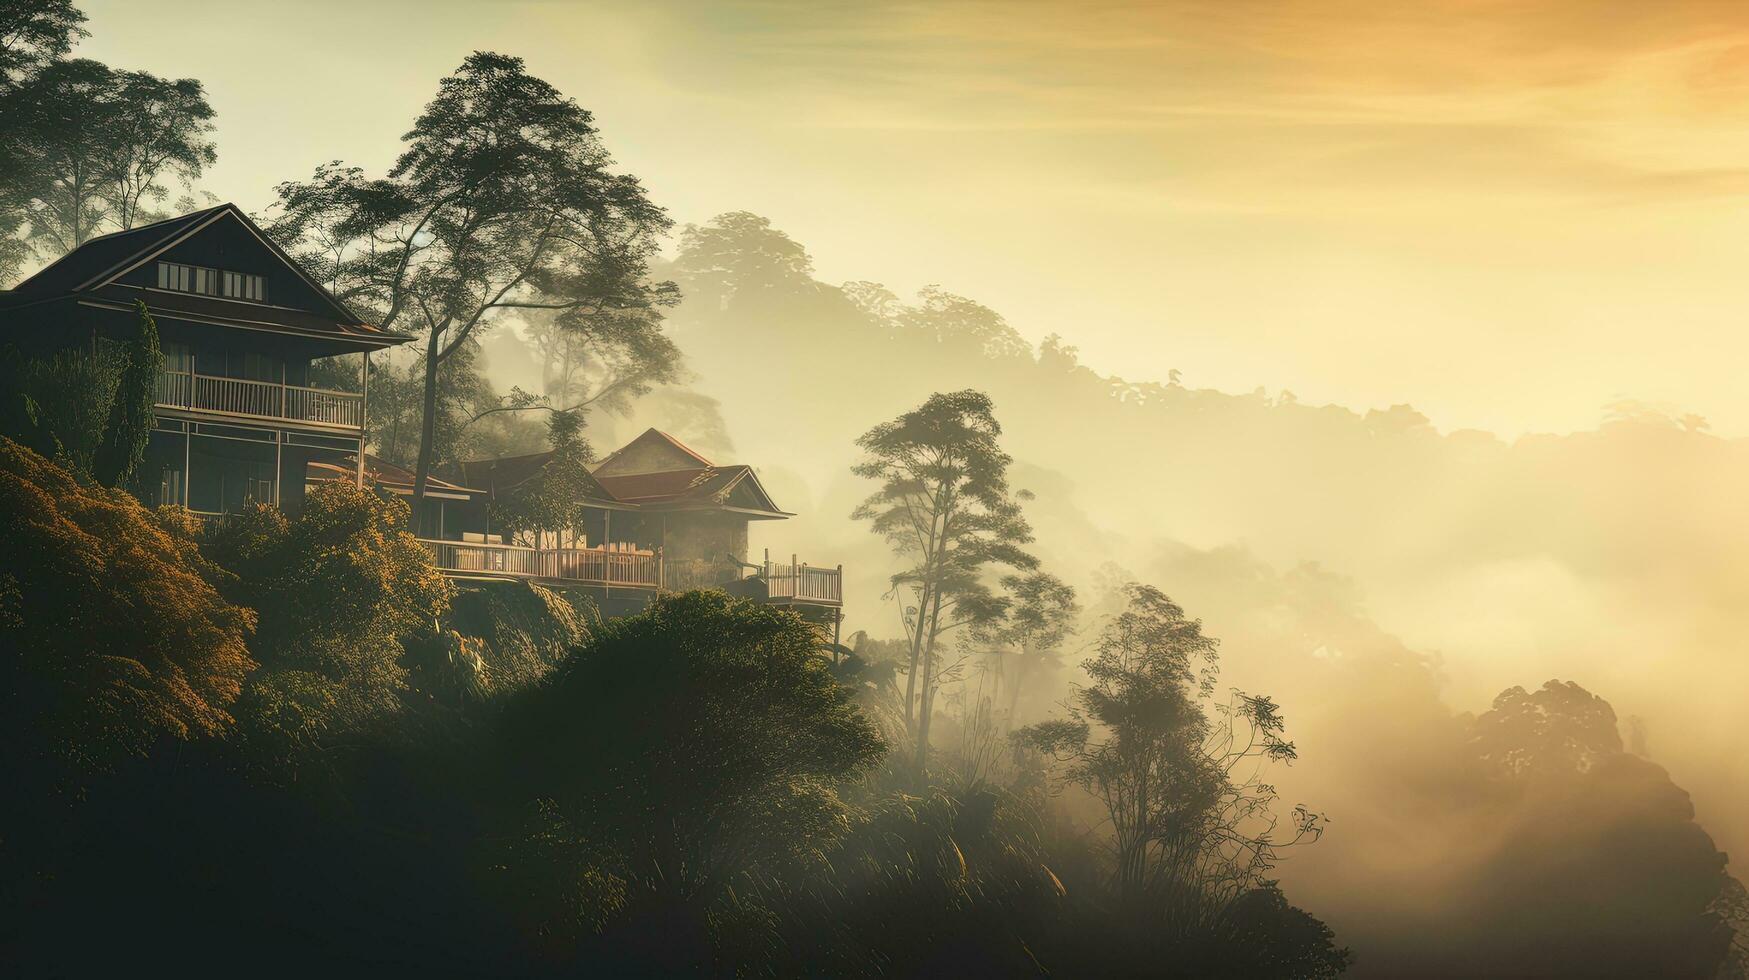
[943,504]
[111,638]
[715,737]
[503,198]
[339,588]
[1041,615]
[554,498]
[58,402]
[89,408]
[130,411]
[1138,738]
[97,144]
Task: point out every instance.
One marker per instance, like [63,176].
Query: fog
[1382,579]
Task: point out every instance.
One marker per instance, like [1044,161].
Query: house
[656,516]
[264,370]
[263,393]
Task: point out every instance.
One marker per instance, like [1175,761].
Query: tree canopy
[503,198]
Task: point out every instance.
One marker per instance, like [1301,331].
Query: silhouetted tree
[96,145]
[1186,832]
[502,199]
[943,504]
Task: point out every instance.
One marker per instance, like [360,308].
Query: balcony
[260,400]
[623,567]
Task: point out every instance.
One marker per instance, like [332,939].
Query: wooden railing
[593,566]
[621,566]
[260,399]
[801,582]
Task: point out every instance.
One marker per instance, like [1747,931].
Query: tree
[130,411]
[740,251]
[602,360]
[1187,835]
[694,744]
[110,637]
[33,35]
[944,505]
[96,144]
[553,498]
[502,199]
[159,128]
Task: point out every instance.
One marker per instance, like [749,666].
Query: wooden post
[363,394]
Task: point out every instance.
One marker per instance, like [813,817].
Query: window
[211,282]
[188,278]
[238,285]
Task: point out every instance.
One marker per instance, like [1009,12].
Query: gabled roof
[734,488]
[104,259]
[676,454]
[111,251]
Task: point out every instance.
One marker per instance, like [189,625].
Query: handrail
[259,399]
[595,566]
[611,567]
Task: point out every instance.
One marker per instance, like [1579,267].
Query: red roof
[705,486]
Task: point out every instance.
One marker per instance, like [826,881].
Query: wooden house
[245,333]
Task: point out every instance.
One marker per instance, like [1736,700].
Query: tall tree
[33,35]
[160,129]
[96,146]
[502,199]
[945,506]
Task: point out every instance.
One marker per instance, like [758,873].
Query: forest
[1138,678]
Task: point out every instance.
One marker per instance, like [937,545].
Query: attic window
[240,286]
[211,282]
[188,278]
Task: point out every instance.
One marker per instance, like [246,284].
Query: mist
[1384,580]
[1435,669]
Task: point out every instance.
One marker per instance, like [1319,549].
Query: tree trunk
[925,708]
[427,431]
[916,653]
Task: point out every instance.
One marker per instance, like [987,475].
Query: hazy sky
[1508,212]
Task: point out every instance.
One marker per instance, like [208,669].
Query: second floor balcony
[260,400]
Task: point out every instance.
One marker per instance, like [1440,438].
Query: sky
[1508,213]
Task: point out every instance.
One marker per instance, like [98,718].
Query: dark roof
[67,273]
[705,486]
[382,471]
[509,472]
[97,263]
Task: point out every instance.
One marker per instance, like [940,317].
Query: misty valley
[458,552]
